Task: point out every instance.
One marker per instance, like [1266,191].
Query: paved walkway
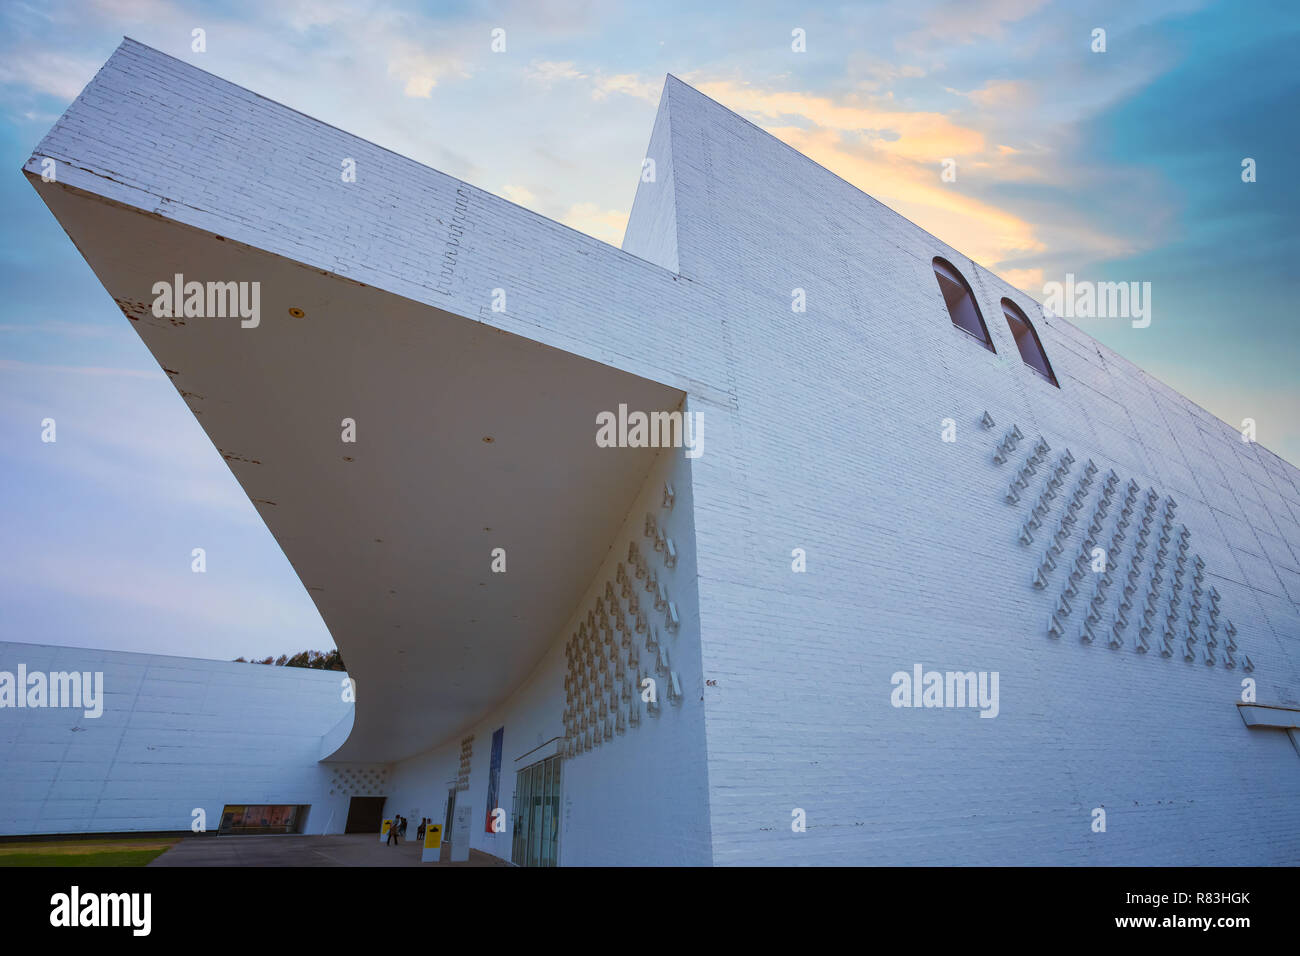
[353,849]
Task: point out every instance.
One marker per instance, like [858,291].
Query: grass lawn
[88,852]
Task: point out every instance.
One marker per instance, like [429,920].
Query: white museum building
[783,534]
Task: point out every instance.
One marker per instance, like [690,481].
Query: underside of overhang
[467,439]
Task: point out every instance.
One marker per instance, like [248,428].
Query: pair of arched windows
[965,314]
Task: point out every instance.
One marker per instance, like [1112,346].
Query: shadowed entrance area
[352,849]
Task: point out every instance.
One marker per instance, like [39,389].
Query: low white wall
[175,734]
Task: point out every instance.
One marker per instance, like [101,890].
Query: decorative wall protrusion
[1150,588]
[1008,445]
[359,780]
[619,644]
[466,754]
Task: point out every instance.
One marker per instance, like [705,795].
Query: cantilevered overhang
[468,438]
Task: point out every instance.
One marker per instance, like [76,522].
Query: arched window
[961,303]
[1031,350]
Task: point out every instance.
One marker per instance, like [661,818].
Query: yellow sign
[433,837]
[383,831]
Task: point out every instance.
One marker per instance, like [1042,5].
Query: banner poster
[494,776]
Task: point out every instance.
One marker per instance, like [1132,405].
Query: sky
[1122,165]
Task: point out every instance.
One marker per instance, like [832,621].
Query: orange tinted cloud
[921,136]
[896,155]
[982,231]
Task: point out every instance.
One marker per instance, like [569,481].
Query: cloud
[308,14]
[46,71]
[895,154]
[135,9]
[984,232]
[1005,94]
[871,73]
[966,21]
[103,439]
[420,68]
[148,587]
[607,225]
[1027,280]
[547,72]
[48,327]
[13,365]
[627,84]
[518,194]
[916,135]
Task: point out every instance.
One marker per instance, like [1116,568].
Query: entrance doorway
[365,815]
[537,814]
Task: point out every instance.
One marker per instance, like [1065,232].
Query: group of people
[397,829]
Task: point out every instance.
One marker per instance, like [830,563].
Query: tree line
[317,660]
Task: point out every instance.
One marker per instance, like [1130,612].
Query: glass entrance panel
[548,816]
[537,814]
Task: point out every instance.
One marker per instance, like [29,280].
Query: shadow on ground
[353,849]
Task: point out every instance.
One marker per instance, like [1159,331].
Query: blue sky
[1115,166]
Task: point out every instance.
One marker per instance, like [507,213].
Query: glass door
[451,813]
[519,830]
[536,837]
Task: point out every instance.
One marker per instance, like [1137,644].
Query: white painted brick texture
[822,432]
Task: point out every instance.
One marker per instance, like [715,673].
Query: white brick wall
[822,432]
[833,445]
[176,733]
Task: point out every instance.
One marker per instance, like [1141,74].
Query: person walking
[392,833]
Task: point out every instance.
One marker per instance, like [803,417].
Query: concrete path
[353,849]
